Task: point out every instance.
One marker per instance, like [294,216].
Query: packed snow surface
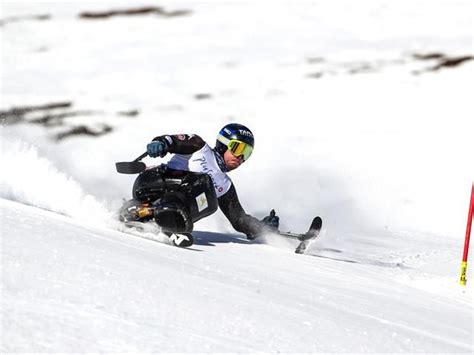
[355,119]
[68,287]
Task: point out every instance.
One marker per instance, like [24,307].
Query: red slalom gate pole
[463,280]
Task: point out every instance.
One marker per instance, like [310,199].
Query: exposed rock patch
[56,115]
[131,113]
[315,60]
[83,130]
[441,61]
[57,120]
[89,15]
[435,61]
[9,20]
[428,56]
[317,75]
[17,114]
[203,96]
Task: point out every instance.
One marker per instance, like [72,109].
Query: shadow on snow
[212,238]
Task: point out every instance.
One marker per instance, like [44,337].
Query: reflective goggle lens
[239,148]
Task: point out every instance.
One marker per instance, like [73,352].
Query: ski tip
[313,231]
[316,224]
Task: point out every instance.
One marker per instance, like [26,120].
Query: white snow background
[349,125]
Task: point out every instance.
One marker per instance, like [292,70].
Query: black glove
[272,221]
[270,224]
[156,149]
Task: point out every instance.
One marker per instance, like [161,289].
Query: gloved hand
[156,149]
[272,221]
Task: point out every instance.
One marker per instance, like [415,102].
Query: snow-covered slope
[68,287]
[356,119]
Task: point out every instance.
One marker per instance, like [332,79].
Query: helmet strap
[220,161]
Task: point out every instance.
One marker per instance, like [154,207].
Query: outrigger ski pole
[132,167]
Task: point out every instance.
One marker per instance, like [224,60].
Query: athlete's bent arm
[181,143]
[242,222]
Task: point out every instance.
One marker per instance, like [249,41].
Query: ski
[137,216]
[152,232]
[307,237]
[182,240]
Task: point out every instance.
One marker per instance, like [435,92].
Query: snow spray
[462,280]
[31,179]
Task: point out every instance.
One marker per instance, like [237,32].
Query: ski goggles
[237,148]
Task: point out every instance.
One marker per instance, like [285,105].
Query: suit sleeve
[242,222]
[181,143]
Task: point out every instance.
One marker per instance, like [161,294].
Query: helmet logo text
[245,133]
